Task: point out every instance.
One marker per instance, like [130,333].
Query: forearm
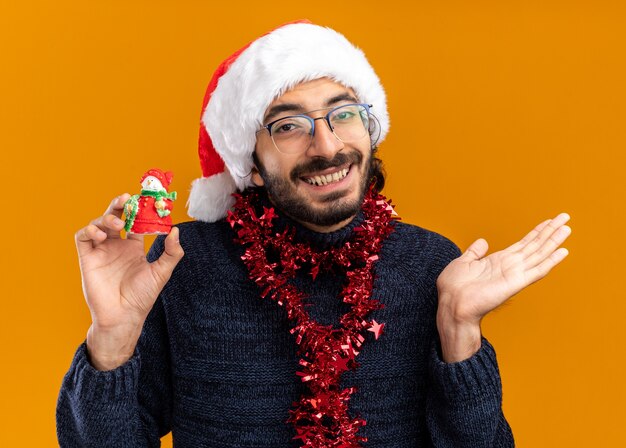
[465,402]
[97,408]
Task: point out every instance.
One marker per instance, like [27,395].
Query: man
[302,313]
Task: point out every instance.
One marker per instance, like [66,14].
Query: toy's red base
[150,228]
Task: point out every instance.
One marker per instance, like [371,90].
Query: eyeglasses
[293,134]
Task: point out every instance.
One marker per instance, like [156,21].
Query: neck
[324,229]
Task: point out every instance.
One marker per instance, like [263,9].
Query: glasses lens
[291,135]
[350,122]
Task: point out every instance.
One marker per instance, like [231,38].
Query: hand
[119,284]
[474,284]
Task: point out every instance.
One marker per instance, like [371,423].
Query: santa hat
[164,177]
[247,82]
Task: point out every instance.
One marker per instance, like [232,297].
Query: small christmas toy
[148,213]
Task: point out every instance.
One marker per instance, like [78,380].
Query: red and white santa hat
[247,82]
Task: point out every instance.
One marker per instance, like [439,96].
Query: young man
[302,313]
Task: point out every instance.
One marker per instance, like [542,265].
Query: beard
[283,192]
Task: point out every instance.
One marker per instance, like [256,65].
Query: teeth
[326,179]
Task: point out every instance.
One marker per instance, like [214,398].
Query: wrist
[460,335]
[108,349]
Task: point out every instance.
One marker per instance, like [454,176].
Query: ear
[256,178]
[374,130]
[255,174]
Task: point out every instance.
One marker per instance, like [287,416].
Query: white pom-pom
[211,197]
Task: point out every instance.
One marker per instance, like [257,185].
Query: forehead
[311,94]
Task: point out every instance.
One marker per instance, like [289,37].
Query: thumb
[170,257]
[477,250]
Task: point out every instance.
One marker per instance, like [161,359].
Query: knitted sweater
[215,363]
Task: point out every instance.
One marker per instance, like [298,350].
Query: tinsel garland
[320,418]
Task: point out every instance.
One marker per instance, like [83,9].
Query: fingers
[549,246]
[87,236]
[110,222]
[107,226]
[532,234]
[547,240]
[163,267]
[111,225]
[541,270]
[477,250]
[116,207]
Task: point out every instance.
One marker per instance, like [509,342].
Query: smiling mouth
[325,179]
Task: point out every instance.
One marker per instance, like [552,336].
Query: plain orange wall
[502,114]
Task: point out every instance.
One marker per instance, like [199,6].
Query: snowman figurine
[148,213]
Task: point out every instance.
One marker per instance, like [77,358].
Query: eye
[289,126]
[285,127]
[344,114]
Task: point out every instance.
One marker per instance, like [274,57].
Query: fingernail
[117,221]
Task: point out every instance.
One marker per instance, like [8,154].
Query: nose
[324,143]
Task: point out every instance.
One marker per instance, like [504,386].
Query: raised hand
[119,284]
[474,284]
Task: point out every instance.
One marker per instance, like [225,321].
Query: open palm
[474,284]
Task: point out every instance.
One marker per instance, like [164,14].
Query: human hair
[377,171]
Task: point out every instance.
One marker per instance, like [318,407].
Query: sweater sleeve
[464,407]
[129,406]
[464,402]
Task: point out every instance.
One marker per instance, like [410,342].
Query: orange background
[503,114]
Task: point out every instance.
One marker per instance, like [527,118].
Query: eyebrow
[294,107]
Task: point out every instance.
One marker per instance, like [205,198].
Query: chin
[330,210]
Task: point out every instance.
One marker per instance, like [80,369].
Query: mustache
[319,164]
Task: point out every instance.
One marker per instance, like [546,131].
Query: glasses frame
[312,120]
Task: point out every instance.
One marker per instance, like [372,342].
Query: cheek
[278,165]
[274,163]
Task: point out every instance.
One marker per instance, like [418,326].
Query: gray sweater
[215,363]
